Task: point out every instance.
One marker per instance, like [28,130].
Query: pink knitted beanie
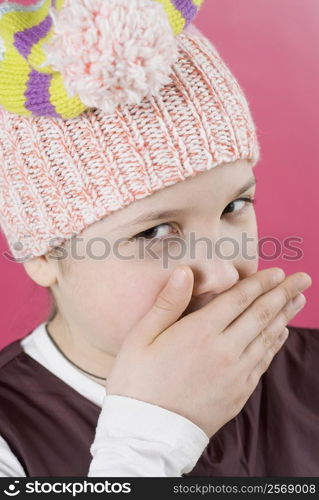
[130,137]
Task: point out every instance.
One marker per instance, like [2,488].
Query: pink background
[272,47]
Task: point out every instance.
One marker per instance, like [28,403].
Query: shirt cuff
[136,438]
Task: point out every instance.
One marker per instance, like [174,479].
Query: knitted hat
[104,102]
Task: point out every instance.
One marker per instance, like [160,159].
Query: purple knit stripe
[186,8]
[37,95]
[24,40]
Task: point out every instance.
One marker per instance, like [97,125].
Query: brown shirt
[50,427]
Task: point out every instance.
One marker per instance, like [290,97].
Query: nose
[211,279]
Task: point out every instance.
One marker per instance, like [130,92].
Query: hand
[206,365]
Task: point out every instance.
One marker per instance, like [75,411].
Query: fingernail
[299,301]
[304,282]
[178,278]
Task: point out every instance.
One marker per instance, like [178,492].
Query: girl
[127,153]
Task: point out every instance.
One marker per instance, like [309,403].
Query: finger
[263,311]
[167,308]
[256,350]
[226,307]
[264,364]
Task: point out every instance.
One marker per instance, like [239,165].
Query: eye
[245,203]
[159,231]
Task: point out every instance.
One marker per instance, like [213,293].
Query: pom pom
[1,49]
[112,52]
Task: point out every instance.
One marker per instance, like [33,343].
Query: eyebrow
[160,215]
[250,183]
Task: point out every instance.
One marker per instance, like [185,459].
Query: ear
[41,270]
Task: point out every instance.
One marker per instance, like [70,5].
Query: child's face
[103,298]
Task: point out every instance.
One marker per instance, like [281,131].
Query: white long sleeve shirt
[133,438]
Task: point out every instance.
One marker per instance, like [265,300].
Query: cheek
[121,293]
[135,293]
[248,241]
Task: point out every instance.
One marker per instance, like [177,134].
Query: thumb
[168,306]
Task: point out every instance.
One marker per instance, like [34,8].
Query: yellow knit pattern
[24,72]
